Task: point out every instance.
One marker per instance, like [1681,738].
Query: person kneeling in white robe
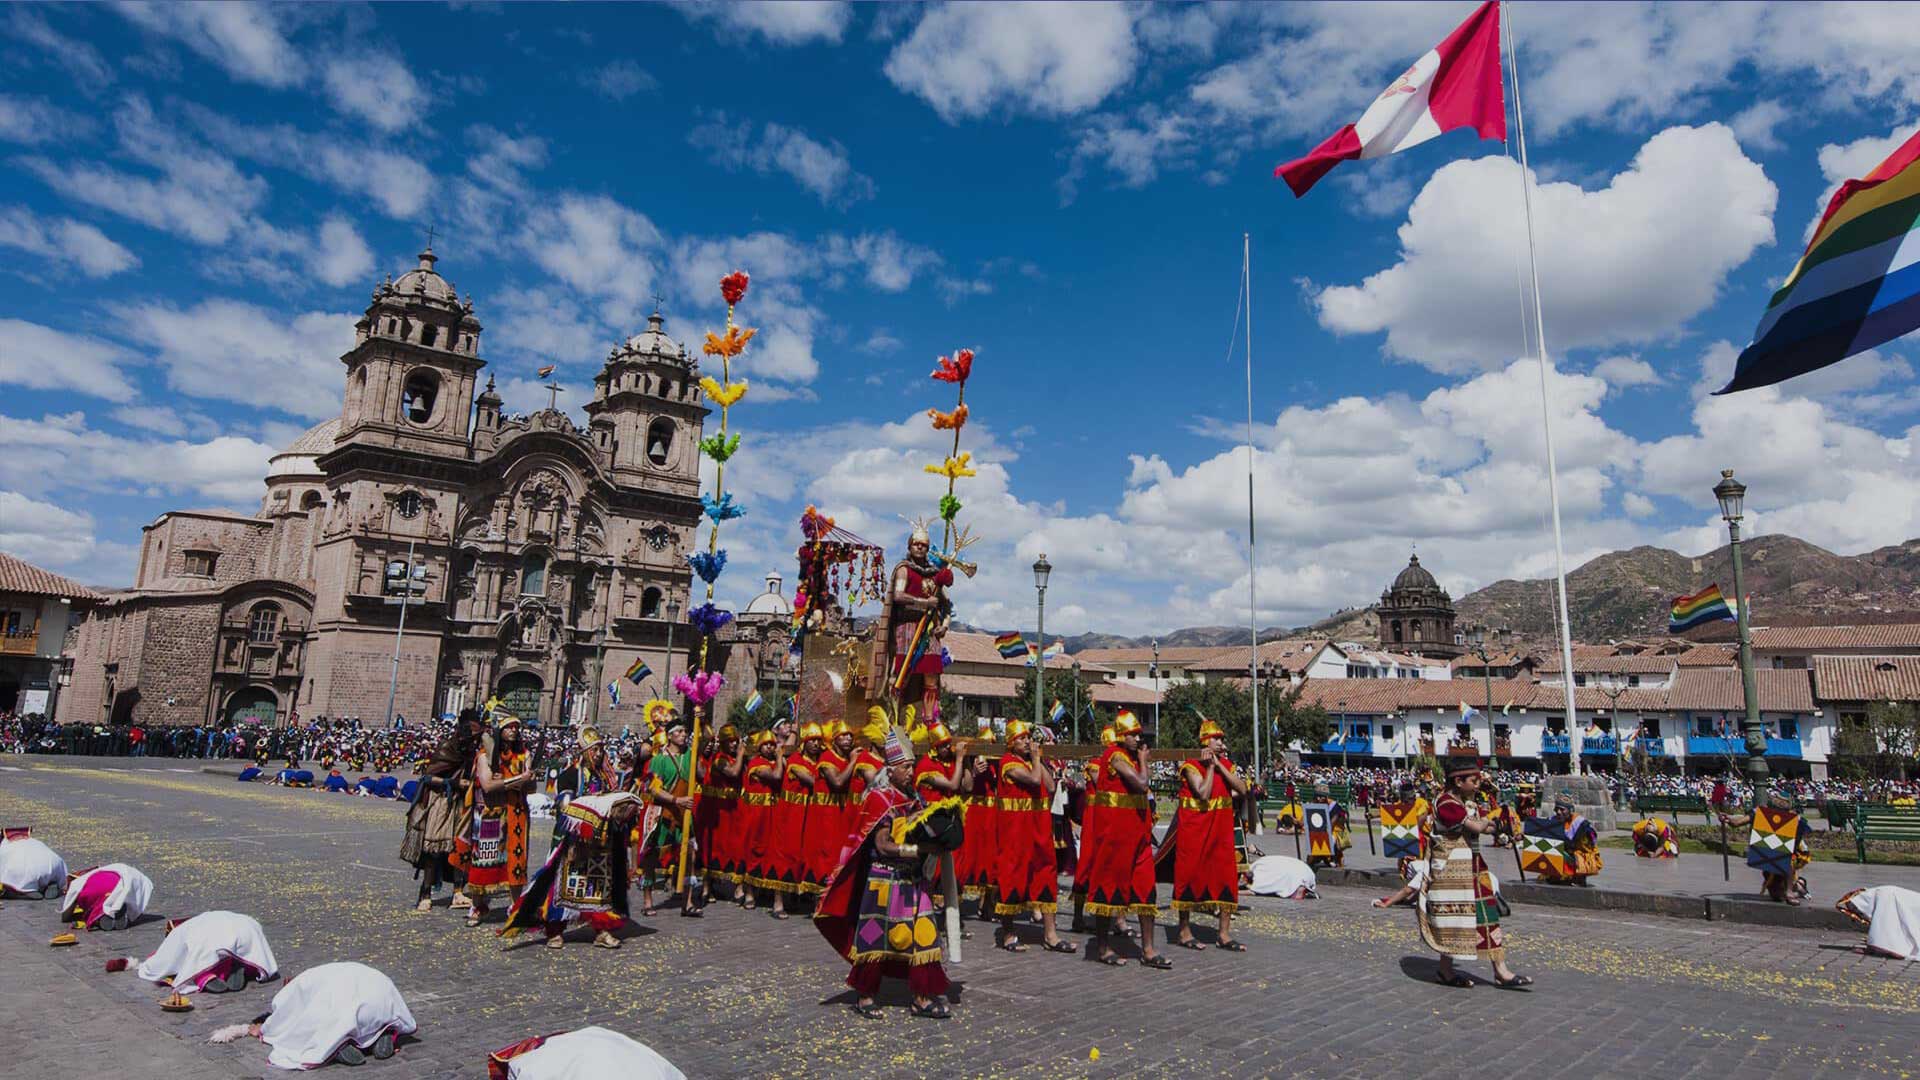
[591,1053]
[31,868]
[216,951]
[344,1012]
[110,897]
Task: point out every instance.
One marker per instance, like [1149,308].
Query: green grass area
[1847,854]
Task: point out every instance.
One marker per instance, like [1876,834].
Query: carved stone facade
[1416,615]
[531,559]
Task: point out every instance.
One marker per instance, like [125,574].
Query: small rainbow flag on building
[753,703]
[1054,714]
[1055,651]
[1705,606]
[545,370]
[1857,285]
[639,672]
[1011,645]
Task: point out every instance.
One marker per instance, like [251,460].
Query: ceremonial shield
[1770,845]
[1399,831]
[1319,824]
[1543,847]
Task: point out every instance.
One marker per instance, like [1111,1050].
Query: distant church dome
[302,456]
[770,602]
[1414,576]
[654,342]
[424,281]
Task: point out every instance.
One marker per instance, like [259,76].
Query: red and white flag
[1456,85]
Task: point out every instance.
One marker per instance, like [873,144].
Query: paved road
[1329,988]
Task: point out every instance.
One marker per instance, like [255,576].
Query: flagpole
[1253,568]
[1546,410]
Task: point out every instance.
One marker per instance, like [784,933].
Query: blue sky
[195,202]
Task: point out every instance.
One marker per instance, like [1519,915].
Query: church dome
[770,602]
[424,281]
[302,456]
[1414,577]
[654,342]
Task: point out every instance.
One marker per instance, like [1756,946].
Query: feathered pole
[707,619]
[953,371]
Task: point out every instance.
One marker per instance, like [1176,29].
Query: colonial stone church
[424,544]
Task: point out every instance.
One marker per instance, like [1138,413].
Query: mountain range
[1626,594]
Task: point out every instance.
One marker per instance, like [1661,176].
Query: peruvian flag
[1455,85]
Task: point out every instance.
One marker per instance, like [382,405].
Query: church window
[660,442]
[650,604]
[311,501]
[533,574]
[1415,632]
[199,563]
[429,334]
[417,401]
[263,624]
[1398,633]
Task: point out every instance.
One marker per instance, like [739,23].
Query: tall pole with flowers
[701,686]
[958,463]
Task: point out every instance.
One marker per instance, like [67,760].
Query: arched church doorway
[253,705]
[520,693]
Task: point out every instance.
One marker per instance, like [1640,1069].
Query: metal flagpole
[1253,605]
[400,631]
[1546,410]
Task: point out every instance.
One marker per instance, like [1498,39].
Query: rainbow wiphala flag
[1705,606]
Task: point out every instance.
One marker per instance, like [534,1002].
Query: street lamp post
[1731,494]
[1478,637]
[1155,672]
[666,677]
[1041,569]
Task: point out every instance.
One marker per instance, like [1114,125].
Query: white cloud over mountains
[1627,263]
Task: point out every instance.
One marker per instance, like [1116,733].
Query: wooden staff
[686,816]
[1366,814]
[1726,862]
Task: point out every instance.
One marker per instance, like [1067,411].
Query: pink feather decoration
[701,688]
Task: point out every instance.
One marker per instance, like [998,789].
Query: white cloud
[1758,123]
[782,22]
[397,182]
[70,244]
[376,87]
[163,419]
[1630,262]
[33,120]
[1637,505]
[820,167]
[58,454]
[42,533]
[885,260]
[619,80]
[43,358]
[1624,372]
[80,59]
[597,246]
[340,256]
[967,60]
[234,351]
[244,39]
[1840,162]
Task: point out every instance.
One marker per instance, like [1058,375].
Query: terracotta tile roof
[1719,690]
[1287,654]
[1708,656]
[1122,694]
[980,686]
[18,576]
[971,648]
[1867,678]
[1611,665]
[1142,655]
[1891,636]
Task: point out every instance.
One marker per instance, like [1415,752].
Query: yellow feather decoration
[954,467]
[723,396]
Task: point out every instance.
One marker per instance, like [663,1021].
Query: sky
[196,201]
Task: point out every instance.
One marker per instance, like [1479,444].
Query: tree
[1880,748]
[774,705]
[1293,722]
[1058,687]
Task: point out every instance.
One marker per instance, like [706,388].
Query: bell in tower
[649,392]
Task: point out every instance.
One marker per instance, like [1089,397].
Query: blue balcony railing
[1599,746]
[1652,746]
[1360,743]
[1736,745]
[1551,743]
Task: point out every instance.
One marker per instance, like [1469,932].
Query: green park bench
[1881,822]
[1839,813]
[1672,804]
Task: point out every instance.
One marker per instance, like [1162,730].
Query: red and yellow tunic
[1206,865]
[1119,864]
[922,583]
[927,766]
[1024,875]
[973,863]
[497,840]
[716,819]
[756,822]
[787,835]
[826,820]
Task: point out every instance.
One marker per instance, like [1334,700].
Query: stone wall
[1593,799]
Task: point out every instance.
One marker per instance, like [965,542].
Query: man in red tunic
[716,817]
[759,788]
[1024,873]
[1206,868]
[1119,867]
[866,763]
[786,838]
[973,863]
[917,613]
[827,817]
[1091,771]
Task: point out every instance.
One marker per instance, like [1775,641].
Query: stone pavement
[1329,988]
